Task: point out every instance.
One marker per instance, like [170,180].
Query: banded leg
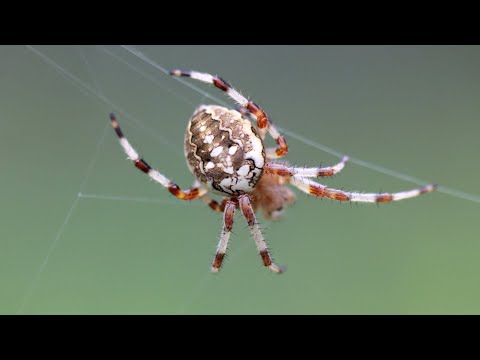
[246,113]
[287,171]
[214,204]
[263,122]
[193,193]
[311,187]
[248,213]
[228,214]
[270,153]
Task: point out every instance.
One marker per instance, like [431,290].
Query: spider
[226,154]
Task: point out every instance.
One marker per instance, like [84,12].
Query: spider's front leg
[193,193]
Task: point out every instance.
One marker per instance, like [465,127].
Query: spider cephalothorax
[226,154]
[272,196]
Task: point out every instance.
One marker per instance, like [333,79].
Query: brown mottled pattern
[221,84]
[142,165]
[228,216]
[246,209]
[329,172]
[339,196]
[271,195]
[272,168]
[277,169]
[267,261]
[317,191]
[282,146]
[225,127]
[217,262]
[215,206]
[326,193]
[384,198]
[262,120]
[183,195]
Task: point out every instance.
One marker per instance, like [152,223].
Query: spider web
[140,65]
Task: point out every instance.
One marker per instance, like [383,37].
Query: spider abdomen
[223,150]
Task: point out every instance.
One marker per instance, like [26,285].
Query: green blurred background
[414,109]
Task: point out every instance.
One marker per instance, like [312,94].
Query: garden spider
[227,157]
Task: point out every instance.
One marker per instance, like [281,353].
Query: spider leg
[141,164]
[289,171]
[311,187]
[246,113]
[228,214]
[263,122]
[249,214]
[270,153]
[214,204]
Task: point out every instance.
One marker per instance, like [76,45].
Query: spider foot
[279,269]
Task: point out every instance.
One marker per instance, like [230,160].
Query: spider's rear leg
[193,193]
[288,171]
[313,188]
[229,212]
[249,214]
